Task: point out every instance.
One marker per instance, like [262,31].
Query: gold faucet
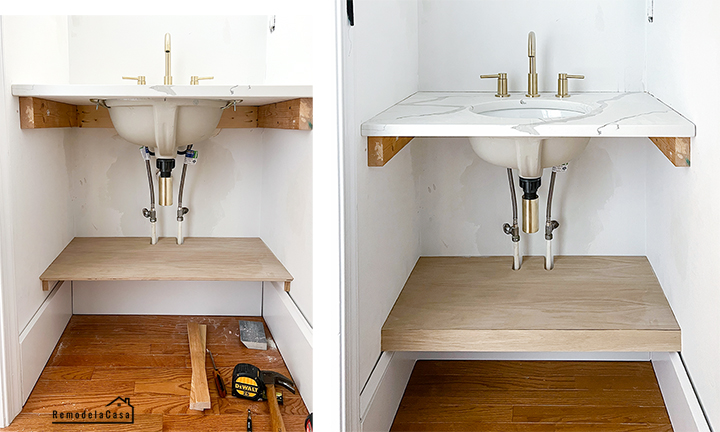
[168,77]
[532,76]
[563,84]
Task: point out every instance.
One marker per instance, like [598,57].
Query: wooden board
[101,357]
[381,149]
[293,114]
[532,396]
[199,390]
[38,113]
[677,150]
[587,303]
[198,259]
[91,116]
[240,117]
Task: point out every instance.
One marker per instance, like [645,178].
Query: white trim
[681,402]
[10,364]
[293,336]
[384,390]
[39,338]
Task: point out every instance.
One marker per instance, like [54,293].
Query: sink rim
[140,102]
[531,104]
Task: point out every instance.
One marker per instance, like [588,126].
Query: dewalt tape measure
[247,382]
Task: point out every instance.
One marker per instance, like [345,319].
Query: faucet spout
[532,75]
[168,77]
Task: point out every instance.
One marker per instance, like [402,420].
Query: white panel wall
[286,208]
[384,54]
[230,48]
[602,39]
[682,233]
[463,201]
[290,50]
[39,183]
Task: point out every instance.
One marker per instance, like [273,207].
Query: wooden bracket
[40,113]
[36,113]
[51,285]
[382,149]
[677,150]
[293,114]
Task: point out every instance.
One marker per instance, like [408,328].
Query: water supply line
[182,211]
[152,213]
[514,229]
[550,225]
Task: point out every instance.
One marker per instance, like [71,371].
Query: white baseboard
[380,399]
[39,337]
[680,399]
[292,335]
[167,298]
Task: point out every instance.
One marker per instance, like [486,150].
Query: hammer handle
[275,419]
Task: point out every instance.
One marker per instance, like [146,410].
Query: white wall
[383,50]
[37,172]
[682,234]
[463,201]
[602,39]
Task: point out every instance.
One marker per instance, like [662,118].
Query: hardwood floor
[147,359]
[532,396]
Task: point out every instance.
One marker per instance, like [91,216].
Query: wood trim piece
[586,303]
[36,113]
[676,149]
[293,114]
[239,118]
[91,116]
[199,390]
[48,285]
[382,149]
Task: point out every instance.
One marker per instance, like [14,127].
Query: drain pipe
[182,211]
[150,214]
[551,225]
[514,229]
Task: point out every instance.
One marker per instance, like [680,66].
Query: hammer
[270,379]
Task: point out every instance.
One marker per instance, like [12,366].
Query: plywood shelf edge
[587,303]
[38,113]
[135,259]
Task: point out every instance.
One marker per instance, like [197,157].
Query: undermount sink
[542,109]
[531,154]
[164,124]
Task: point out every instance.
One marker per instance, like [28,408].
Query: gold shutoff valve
[140,79]
[563,84]
[502,84]
[195,80]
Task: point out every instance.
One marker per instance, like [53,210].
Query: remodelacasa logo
[117,411]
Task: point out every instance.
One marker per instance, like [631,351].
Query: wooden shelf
[134,258]
[587,303]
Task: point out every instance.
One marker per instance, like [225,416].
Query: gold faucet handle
[195,80]
[140,79]
[502,83]
[563,84]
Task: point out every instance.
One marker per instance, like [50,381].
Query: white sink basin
[530,155]
[162,124]
[534,109]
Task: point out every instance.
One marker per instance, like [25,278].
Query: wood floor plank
[584,414]
[64,373]
[532,396]
[26,422]
[101,357]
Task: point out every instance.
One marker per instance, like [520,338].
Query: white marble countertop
[81,94]
[450,114]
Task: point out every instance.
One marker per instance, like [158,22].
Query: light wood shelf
[587,303]
[134,258]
